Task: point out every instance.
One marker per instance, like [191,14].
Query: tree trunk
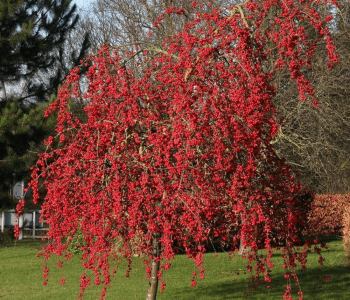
[242,249]
[153,281]
[4,96]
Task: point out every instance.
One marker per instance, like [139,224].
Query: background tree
[177,144]
[34,61]
[124,22]
[21,139]
[315,142]
[32,39]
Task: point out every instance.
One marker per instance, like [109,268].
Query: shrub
[346,231]
[327,214]
[7,236]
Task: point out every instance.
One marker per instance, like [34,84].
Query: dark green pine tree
[21,138]
[34,60]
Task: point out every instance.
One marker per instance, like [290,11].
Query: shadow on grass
[312,281]
[330,238]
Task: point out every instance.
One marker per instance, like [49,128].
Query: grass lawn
[21,278]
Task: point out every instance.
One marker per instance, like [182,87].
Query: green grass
[21,278]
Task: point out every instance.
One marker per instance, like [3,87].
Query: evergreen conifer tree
[34,60]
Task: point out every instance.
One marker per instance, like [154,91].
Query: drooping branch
[177,157]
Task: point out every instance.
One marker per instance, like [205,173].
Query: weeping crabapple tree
[181,155]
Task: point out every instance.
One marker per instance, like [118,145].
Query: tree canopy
[312,141]
[176,149]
